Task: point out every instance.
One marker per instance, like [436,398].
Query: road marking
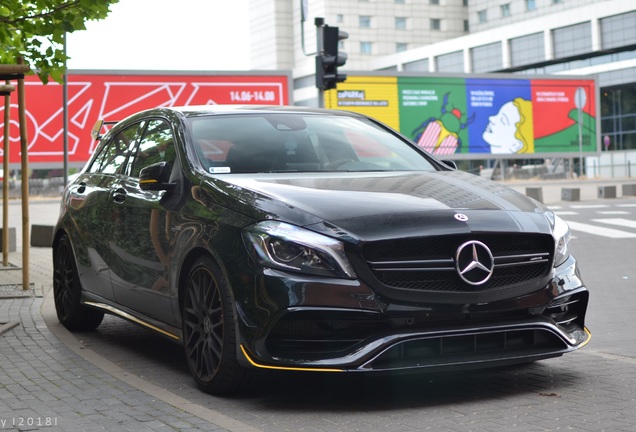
[626,205]
[598,230]
[613,212]
[618,221]
[589,206]
[565,213]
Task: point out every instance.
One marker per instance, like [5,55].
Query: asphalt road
[593,389]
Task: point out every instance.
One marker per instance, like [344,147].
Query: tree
[35,30]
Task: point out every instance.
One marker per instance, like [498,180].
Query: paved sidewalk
[46,385]
[49,381]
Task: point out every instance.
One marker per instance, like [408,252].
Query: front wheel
[208,330]
[67,291]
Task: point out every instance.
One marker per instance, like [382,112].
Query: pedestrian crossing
[615,221]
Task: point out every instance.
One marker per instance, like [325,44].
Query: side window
[156,145]
[113,155]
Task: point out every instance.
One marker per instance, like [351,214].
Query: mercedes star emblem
[474,262]
[461,217]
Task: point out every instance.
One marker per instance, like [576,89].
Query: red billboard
[112,96]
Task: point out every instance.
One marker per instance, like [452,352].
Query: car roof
[234,109]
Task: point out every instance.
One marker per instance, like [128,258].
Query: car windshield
[299,142]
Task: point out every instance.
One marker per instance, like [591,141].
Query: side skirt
[150,323]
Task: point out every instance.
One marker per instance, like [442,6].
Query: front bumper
[381,336]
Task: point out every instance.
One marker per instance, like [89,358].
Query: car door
[140,244]
[90,200]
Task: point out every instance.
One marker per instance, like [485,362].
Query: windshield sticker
[220,170]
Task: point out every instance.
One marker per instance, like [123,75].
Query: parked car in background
[297,239]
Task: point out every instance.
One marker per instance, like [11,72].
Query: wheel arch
[57,235]
[186,265]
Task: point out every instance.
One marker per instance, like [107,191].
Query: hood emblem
[461,217]
[474,263]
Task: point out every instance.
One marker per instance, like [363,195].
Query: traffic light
[330,58]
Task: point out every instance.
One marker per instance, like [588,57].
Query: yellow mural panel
[375,96]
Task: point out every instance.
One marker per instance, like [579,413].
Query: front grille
[428,263]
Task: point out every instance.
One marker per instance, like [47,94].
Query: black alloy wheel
[208,330]
[67,291]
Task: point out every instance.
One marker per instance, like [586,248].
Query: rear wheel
[67,291]
[208,330]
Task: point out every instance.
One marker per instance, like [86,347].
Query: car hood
[382,205]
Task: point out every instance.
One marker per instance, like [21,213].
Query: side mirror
[450,163]
[155,177]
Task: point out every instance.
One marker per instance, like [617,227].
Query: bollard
[12,240]
[571,194]
[629,189]
[535,192]
[42,235]
[607,191]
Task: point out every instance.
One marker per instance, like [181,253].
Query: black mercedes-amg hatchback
[285,238]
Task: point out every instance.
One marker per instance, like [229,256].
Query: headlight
[562,235]
[287,247]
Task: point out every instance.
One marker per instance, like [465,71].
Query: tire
[67,291]
[209,336]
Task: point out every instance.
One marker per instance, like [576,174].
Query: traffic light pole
[319,22]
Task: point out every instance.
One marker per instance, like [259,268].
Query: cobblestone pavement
[48,382]
[124,378]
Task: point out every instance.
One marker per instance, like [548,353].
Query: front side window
[156,145]
[114,153]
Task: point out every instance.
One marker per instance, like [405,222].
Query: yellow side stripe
[253,363]
[131,318]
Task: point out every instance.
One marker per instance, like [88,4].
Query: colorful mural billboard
[494,117]
[112,96]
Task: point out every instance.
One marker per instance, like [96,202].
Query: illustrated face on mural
[502,130]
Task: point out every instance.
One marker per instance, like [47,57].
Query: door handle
[119,195]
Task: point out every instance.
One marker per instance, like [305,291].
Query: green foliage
[35,30]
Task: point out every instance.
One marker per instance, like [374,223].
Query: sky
[165,35]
